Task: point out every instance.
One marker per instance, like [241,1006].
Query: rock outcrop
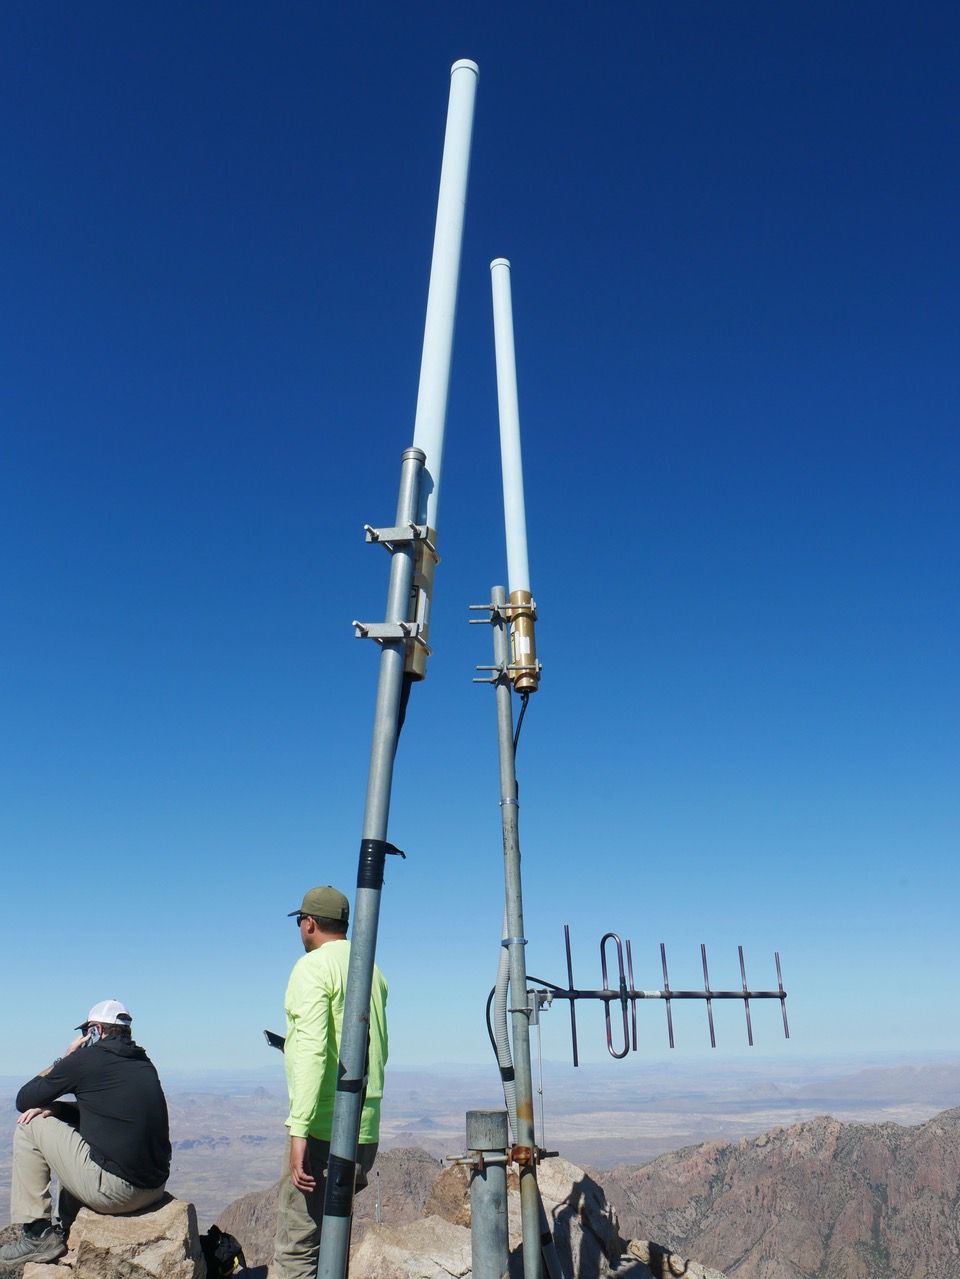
[661,1263]
[158,1243]
[402,1179]
[583,1224]
[430,1248]
[584,1227]
[425,1230]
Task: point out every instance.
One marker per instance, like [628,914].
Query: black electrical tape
[338,1201]
[350,1085]
[507,1074]
[372,856]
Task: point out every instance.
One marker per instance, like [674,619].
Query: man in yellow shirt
[314,1009]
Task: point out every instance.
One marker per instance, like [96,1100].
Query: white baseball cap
[107,1012]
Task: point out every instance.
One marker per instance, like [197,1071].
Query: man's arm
[309,1027]
[38,1093]
[309,1024]
[301,1173]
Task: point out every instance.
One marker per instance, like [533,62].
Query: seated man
[110,1150]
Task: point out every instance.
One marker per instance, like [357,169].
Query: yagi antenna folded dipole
[627,996]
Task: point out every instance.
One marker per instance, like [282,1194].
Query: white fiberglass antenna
[402,641]
[444,282]
[524,671]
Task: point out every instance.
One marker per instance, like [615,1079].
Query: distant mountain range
[938,1085]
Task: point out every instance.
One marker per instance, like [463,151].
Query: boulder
[450,1196]
[664,1264]
[430,1248]
[584,1228]
[160,1242]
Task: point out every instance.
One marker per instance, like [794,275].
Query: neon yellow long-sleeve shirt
[314,1008]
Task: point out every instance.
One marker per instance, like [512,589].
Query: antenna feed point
[524,669]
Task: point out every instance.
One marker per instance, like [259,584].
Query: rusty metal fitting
[524,1156]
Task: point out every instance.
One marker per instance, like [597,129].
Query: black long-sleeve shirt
[123,1112]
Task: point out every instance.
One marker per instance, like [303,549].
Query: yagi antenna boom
[627,995]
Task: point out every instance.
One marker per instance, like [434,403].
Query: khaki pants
[300,1216]
[47,1145]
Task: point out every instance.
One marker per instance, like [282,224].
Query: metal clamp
[381,631]
[506,611]
[499,673]
[400,535]
[521,1155]
[478,1160]
[494,612]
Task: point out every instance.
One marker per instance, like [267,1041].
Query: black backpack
[222,1253]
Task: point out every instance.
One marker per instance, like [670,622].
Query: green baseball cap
[325,903]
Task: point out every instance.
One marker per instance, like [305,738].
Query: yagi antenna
[627,996]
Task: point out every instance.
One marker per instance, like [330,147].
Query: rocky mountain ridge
[818,1200]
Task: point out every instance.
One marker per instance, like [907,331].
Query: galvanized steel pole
[525,1151]
[341,1167]
[489,1238]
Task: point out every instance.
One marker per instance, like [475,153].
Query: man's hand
[33,1113]
[74,1044]
[300,1173]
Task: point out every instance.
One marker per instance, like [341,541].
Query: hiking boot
[47,1246]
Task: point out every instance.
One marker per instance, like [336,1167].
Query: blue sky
[735,279]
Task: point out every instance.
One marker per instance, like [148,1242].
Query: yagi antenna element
[625,993]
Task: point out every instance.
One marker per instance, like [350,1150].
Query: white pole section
[444,282]
[514,512]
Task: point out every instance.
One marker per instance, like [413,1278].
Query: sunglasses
[301,917]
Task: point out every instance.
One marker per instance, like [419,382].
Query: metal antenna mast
[515,666]
[524,1152]
[403,649]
